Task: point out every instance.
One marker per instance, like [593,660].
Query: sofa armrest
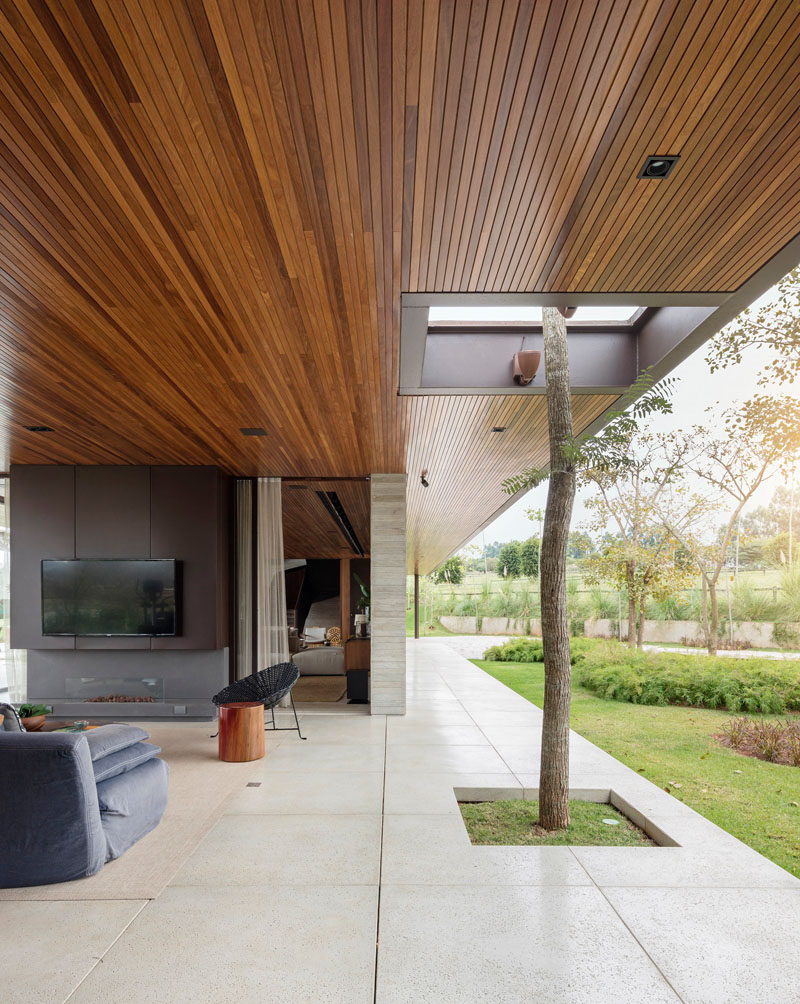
[50,829]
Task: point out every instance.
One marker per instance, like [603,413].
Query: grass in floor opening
[676,748]
[515,822]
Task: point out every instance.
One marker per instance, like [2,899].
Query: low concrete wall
[760,634]
[460,625]
[493,625]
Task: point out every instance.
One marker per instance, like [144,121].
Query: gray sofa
[327,660]
[73,801]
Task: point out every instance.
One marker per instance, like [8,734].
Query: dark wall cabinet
[122,512]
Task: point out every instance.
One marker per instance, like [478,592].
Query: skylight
[587,314]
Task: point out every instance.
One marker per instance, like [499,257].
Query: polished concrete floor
[345,874]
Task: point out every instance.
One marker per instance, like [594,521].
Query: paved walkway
[347,876]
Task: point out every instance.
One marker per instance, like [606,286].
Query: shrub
[765,738]
[618,673]
[530,650]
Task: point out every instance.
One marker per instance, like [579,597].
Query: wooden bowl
[35,723]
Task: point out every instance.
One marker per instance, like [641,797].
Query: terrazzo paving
[345,874]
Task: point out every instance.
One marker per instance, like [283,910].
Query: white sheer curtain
[13,661]
[244,578]
[272,630]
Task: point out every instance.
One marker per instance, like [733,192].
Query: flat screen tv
[110,598]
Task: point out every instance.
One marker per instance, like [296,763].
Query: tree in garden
[529,557]
[641,557]
[759,439]
[509,560]
[579,545]
[451,571]
[566,456]
[774,329]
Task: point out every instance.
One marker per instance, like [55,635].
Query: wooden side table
[241,731]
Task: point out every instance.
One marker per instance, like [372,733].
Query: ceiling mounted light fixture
[256,431]
[499,428]
[423,478]
[658,167]
[37,428]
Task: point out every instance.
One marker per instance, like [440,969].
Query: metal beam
[416,604]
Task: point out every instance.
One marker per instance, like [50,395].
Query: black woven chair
[269,686]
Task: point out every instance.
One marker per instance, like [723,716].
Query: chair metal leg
[286,728]
[294,709]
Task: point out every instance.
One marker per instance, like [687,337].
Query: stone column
[388,593]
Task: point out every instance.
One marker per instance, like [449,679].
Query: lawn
[675,746]
[512,822]
[430,630]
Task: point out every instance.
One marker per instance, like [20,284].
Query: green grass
[676,745]
[426,630]
[513,822]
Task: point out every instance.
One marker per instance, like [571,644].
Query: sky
[695,391]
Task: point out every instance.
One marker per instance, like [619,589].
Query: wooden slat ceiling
[466,463]
[309,531]
[209,208]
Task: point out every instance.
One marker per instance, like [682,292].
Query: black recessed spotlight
[256,431]
[37,428]
[658,167]
[423,478]
[498,428]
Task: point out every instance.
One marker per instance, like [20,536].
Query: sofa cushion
[109,739]
[123,794]
[132,804]
[121,761]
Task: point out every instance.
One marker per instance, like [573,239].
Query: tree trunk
[642,617]
[704,611]
[554,773]
[629,574]
[713,636]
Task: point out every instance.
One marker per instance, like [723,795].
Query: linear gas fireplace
[115,690]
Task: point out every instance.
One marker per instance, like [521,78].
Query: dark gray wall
[187,675]
[123,512]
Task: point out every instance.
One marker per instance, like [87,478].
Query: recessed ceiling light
[38,428]
[256,431]
[499,428]
[658,167]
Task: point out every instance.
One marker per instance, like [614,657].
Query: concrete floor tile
[328,756]
[246,945]
[48,948]
[564,945]
[338,792]
[679,867]
[415,792]
[435,735]
[286,850]
[346,729]
[436,850]
[460,759]
[718,946]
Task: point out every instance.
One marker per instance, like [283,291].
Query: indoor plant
[33,716]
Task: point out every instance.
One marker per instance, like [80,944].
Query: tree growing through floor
[759,439]
[567,456]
